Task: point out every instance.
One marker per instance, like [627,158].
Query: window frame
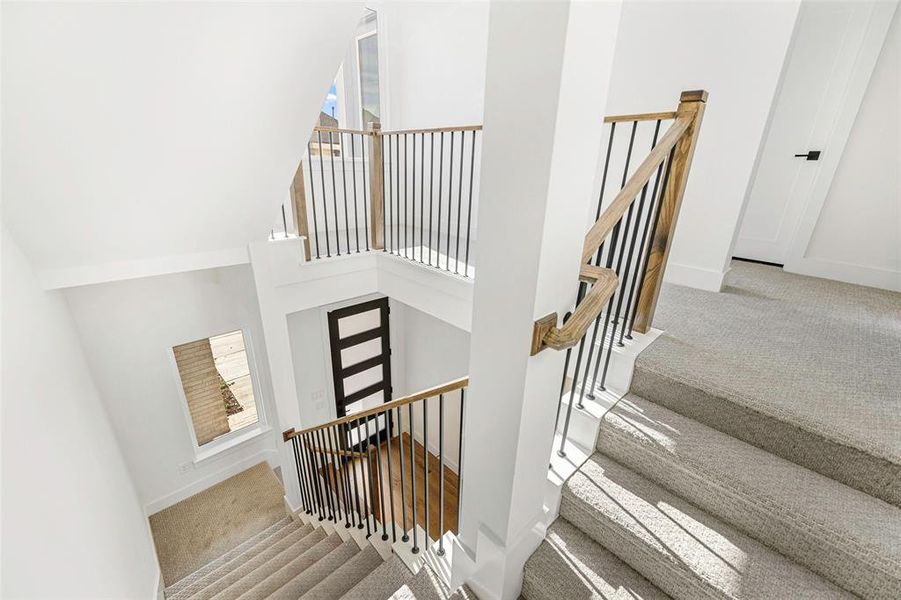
[359,73]
[234,438]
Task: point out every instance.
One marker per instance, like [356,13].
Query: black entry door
[361,361]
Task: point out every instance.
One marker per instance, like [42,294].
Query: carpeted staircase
[707,482]
[291,560]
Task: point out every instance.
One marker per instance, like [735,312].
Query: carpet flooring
[806,368]
[197,530]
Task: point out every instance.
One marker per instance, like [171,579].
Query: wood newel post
[691,104]
[299,203]
[376,188]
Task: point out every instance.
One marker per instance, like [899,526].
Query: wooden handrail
[435,129]
[679,142]
[547,335]
[614,212]
[443,388]
[657,116]
[324,129]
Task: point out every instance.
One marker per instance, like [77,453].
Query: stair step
[657,378]
[294,567]
[294,531]
[569,564]
[425,585]
[318,571]
[346,576]
[273,564]
[248,566]
[382,582]
[839,532]
[238,550]
[679,548]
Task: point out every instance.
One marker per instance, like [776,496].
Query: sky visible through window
[330,106]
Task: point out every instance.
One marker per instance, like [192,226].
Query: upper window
[368,59]
[216,379]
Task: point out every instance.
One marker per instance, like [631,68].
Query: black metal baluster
[643,251]
[611,251]
[331,154]
[390,477]
[313,198]
[303,495]
[351,460]
[344,183]
[284,221]
[413,226]
[450,200]
[421,193]
[365,473]
[472,167]
[440,185]
[459,202]
[572,393]
[378,462]
[328,251]
[406,187]
[413,474]
[632,242]
[390,198]
[441,474]
[341,499]
[431,187]
[425,462]
[365,197]
[322,465]
[397,186]
[315,481]
[569,352]
[353,169]
[459,462]
[403,481]
[341,457]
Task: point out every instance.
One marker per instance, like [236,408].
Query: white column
[546,86]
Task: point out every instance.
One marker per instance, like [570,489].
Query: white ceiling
[136,131]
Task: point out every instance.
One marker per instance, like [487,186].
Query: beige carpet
[195,531]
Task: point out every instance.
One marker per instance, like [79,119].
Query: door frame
[868,49]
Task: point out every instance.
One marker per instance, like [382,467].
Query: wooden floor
[392,494]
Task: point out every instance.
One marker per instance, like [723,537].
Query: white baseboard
[876,277]
[270,456]
[695,277]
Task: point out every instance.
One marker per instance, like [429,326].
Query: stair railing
[412,193]
[625,251]
[346,468]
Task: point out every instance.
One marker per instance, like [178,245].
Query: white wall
[435,63]
[72,525]
[127,329]
[858,232]
[735,51]
[145,130]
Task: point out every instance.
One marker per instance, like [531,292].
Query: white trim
[54,279]
[154,506]
[696,277]
[870,49]
[876,277]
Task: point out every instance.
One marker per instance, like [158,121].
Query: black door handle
[812,155]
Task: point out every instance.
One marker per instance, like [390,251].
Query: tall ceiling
[144,130]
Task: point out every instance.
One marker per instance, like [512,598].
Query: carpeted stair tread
[250,565]
[307,580]
[569,564]
[685,552]
[383,581]
[229,556]
[292,569]
[284,537]
[273,564]
[425,585]
[802,367]
[841,533]
[346,576]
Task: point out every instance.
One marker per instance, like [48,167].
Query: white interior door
[811,100]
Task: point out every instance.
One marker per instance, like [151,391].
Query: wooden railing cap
[693,96]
